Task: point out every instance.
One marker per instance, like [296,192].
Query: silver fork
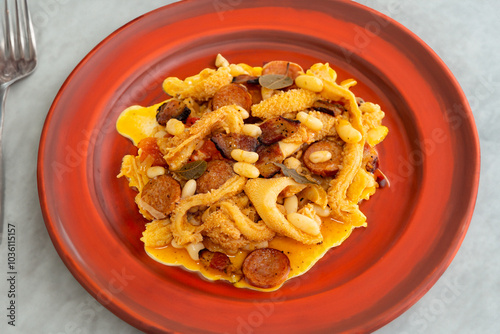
[17,60]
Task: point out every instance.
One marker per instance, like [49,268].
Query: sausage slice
[232,94]
[217,173]
[327,168]
[252,85]
[280,67]
[275,129]
[173,108]
[162,193]
[226,143]
[266,268]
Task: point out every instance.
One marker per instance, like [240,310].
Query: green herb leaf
[293,174]
[192,170]
[275,81]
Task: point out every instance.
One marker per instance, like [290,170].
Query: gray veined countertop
[466,299]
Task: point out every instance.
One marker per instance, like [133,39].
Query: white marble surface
[463,33]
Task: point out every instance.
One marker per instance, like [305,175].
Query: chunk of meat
[275,129]
[252,85]
[173,108]
[280,67]
[268,155]
[232,94]
[162,193]
[149,147]
[266,268]
[217,173]
[329,107]
[226,143]
[370,159]
[215,260]
[329,167]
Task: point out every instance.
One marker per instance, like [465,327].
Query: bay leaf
[293,174]
[275,81]
[192,170]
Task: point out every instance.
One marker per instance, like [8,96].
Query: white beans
[247,170]
[376,135]
[194,250]
[310,121]
[292,163]
[220,61]
[347,132]
[252,130]
[189,189]
[155,171]
[244,156]
[322,212]
[160,134]
[175,127]
[237,70]
[303,223]
[309,82]
[291,204]
[320,156]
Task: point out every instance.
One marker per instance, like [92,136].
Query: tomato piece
[191,120]
[150,148]
[207,152]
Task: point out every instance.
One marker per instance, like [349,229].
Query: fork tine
[19,36]
[30,33]
[8,34]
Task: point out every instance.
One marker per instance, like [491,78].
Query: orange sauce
[302,257]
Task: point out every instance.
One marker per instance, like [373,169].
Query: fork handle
[3,93]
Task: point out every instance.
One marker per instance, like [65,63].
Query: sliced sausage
[227,142]
[217,173]
[268,155]
[215,260]
[162,193]
[252,85]
[370,159]
[266,268]
[280,67]
[328,107]
[275,129]
[232,94]
[173,108]
[327,168]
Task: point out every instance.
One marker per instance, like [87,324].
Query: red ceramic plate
[414,227]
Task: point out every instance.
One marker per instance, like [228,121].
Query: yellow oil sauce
[302,257]
[137,123]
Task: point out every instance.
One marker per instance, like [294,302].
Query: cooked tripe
[250,174]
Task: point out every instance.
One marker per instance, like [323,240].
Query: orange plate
[415,227]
